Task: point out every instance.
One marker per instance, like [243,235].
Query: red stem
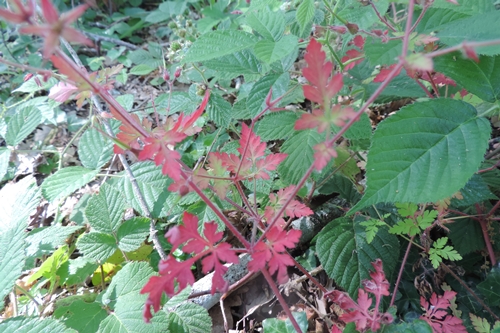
[216,210]
[400,275]
[281,300]
[382,18]
[406,38]
[484,228]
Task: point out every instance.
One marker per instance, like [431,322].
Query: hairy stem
[400,274]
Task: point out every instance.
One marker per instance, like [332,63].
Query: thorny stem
[400,275]
[470,291]
[281,300]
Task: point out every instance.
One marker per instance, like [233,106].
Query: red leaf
[323,154]
[62,91]
[294,208]
[323,120]
[384,72]
[437,317]
[184,122]
[269,163]
[352,54]
[171,271]
[321,89]
[255,148]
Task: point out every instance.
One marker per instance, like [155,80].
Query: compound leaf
[66,181]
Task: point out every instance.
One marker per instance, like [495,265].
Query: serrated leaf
[189,318]
[132,233]
[275,325]
[141,56]
[142,69]
[4,161]
[341,185]
[305,13]
[66,181]
[153,185]
[469,7]
[270,51]
[346,255]
[33,324]
[299,148]
[481,325]
[476,190]
[481,79]
[94,149]
[123,296]
[18,202]
[416,326]
[480,27]
[443,137]
[237,63]
[363,16]
[42,241]
[490,287]
[216,44]
[97,246]
[104,211]
[49,267]
[379,53]
[32,86]
[434,18]
[276,125]
[256,100]
[269,25]
[76,271]
[219,110]
[466,236]
[22,124]
[82,316]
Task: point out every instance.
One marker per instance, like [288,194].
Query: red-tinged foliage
[184,123]
[437,316]
[199,177]
[359,42]
[171,271]
[272,252]
[293,209]
[20,14]
[384,72]
[188,235]
[322,120]
[252,162]
[323,153]
[321,88]
[57,26]
[360,312]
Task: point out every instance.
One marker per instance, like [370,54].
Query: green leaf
[32,86]
[256,100]
[104,211]
[4,161]
[416,326]
[305,13]
[97,246]
[189,318]
[153,185]
[481,79]
[219,110]
[434,18]
[76,271]
[476,190]
[94,149]
[269,25]
[470,7]
[270,51]
[379,53]
[124,298]
[275,325]
[82,316]
[165,11]
[466,236]
[42,241]
[132,233]
[22,124]
[142,69]
[216,44]
[66,181]
[424,153]
[490,287]
[371,228]
[299,148]
[440,251]
[238,63]
[18,200]
[360,133]
[364,16]
[33,324]
[276,125]
[49,267]
[141,56]
[346,255]
[480,27]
